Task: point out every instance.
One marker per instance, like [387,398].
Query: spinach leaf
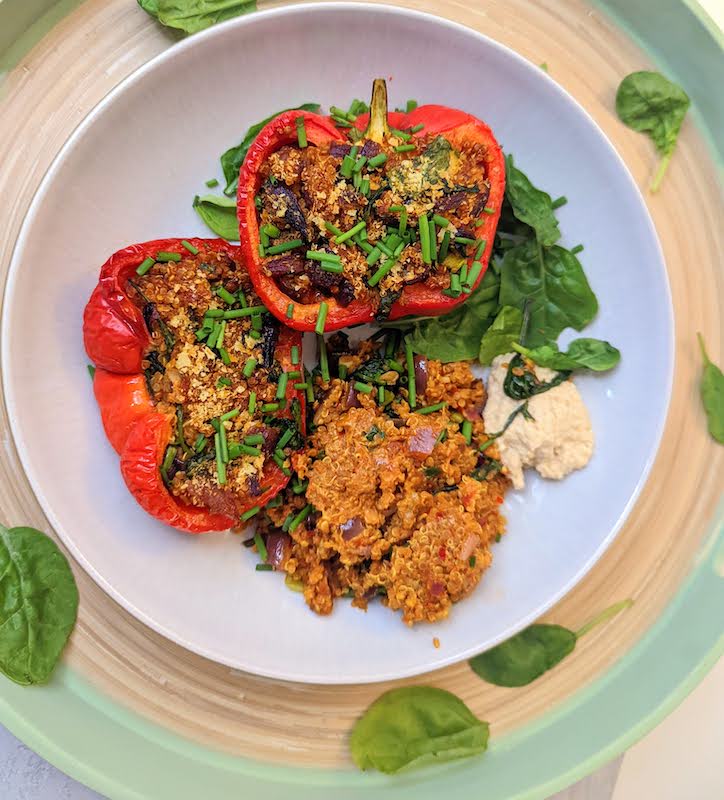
[38,604]
[413,726]
[219,214]
[650,103]
[536,649]
[456,336]
[530,205]
[233,158]
[191,16]
[553,280]
[593,354]
[522,383]
[501,335]
[712,395]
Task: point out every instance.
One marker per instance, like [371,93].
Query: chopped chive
[145,265]
[465,240]
[403,220]
[380,394]
[301,386]
[353,151]
[443,222]
[257,201]
[220,466]
[333,229]
[374,256]
[284,247]
[193,250]
[411,391]
[224,444]
[214,312]
[431,409]
[168,460]
[300,517]
[383,270]
[249,367]
[301,132]
[282,386]
[323,255]
[397,208]
[323,360]
[561,201]
[295,373]
[401,134]
[366,246]
[214,335]
[464,272]
[577,249]
[224,355]
[278,458]
[287,522]
[340,122]
[275,502]
[480,249]
[364,187]
[226,295]
[266,407]
[290,310]
[455,286]
[264,567]
[286,436]
[271,230]
[411,105]
[404,148]
[295,354]
[444,247]
[330,266]
[363,387]
[475,271]
[254,438]
[488,210]
[262,251]
[359,163]
[424,227]
[478,223]
[377,161]
[252,402]
[433,241]
[165,256]
[385,249]
[300,488]
[212,182]
[417,128]
[91,371]
[235,313]
[441,436]
[351,232]
[255,334]
[467,431]
[219,343]
[200,443]
[347,166]
[260,546]
[247,450]
[321,317]
[230,414]
[256,322]
[471,561]
[395,365]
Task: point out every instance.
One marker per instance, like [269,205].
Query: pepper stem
[605,615]
[378,130]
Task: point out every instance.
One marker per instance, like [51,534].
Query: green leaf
[219,214]
[38,604]
[650,103]
[530,205]
[192,16]
[501,335]
[526,656]
[593,354]
[456,336]
[712,395]
[414,726]
[233,158]
[553,280]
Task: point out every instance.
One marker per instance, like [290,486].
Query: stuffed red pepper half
[393,216]
[195,382]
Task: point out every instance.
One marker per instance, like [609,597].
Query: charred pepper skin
[116,339]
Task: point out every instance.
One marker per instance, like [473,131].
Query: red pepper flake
[499,500]
[442,553]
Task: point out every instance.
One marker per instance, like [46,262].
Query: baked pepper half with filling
[393,216]
[195,382]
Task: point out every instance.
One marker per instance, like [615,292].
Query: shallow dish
[129,174]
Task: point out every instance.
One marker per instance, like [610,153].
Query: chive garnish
[212,182]
[346,115]
[488,210]
[351,232]
[256,322]
[265,407]
[431,409]
[383,270]
[286,436]
[264,567]
[230,414]
[364,187]
[247,450]
[411,105]
[224,355]
[330,266]
[295,354]
[323,255]
[300,486]
[323,360]
[220,466]
[145,265]
[252,402]
[366,246]
[164,256]
[255,334]
[397,208]
[455,286]
[283,247]
[300,517]
[249,367]
[235,313]
[417,128]
[193,250]
[475,271]
[301,386]
[260,546]
[433,241]
[363,387]
[441,436]
[380,394]
[401,134]
[321,317]
[465,240]
[377,161]
[404,148]
[479,249]
[301,132]
[219,342]
[464,272]
[200,443]
[403,221]
[262,251]
[333,229]
[290,310]
[214,335]
[341,123]
[443,222]
[424,227]
[254,438]
[282,386]
[411,390]
[226,295]
[374,256]
[223,381]
[467,431]
[271,230]
[359,163]
[347,166]
[214,312]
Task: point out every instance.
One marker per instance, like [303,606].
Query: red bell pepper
[418,298]
[116,339]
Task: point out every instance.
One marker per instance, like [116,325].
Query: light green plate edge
[121,754]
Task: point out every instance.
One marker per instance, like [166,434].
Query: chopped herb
[432,409]
[299,518]
[164,256]
[212,182]
[191,248]
[321,317]
[264,568]
[252,402]
[363,387]
[247,515]
[260,546]
[290,310]
[145,265]
[301,132]
[284,247]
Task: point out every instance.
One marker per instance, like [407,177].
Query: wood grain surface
[50,92]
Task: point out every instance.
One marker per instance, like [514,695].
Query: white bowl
[129,173]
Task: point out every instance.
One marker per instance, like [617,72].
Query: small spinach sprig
[218,214]
[712,394]
[526,656]
[414,726]
[650,103]
[38,604]
[191,16]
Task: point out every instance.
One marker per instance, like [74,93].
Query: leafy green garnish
[192,16]
[233,158]
[501,335]
[413,726]
[530,205]
[712,395]
[374,431]
[521,383]
[593,354]
[650,103]
[536,649]
[218,214]
[38,604]
[554,283]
